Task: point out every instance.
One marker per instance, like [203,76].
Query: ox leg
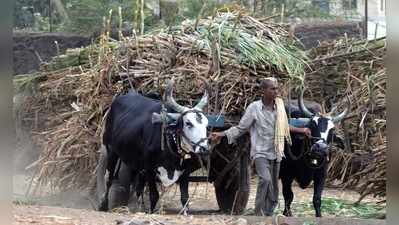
[154,195]
[288,194]
[140,184]
[319,180]
[120,189]
[184,196]
[110,162]
[100,174]
[190,166]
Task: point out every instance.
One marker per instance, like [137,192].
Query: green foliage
[25,82]
[340,208]
[251,49]
[40,23]
[24,11]
[24,201]
[86,16]
[294,8]
[333,207]
[191,8]
[308,223]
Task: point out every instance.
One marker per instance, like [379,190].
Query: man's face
[271,90]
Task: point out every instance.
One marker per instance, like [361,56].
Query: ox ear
[169,118]
[339,141]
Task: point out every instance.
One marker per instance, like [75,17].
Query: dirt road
[73,208]
[24,215]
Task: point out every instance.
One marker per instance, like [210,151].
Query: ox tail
[106,127]
[101,189]
[100,173]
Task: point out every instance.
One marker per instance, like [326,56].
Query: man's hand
[306,131]
[217,136]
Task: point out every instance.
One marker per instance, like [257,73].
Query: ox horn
[170,101]
[204,100]
[302,106]
[342,115]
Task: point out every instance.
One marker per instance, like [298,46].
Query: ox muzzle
[200,147]
[318,154]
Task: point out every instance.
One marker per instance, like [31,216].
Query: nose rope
[305,145]
[199,142]
[323,160]
[194,144]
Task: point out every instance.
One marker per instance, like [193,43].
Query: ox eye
[189,124]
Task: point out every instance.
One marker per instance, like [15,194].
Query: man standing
[267,123]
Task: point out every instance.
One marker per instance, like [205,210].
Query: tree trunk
[168,11]
[154,6]
[142,17]
[59,7]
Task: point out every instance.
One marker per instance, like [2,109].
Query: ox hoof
[184,212]
[103,205]
[287,213]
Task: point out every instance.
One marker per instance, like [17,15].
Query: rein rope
[306,144]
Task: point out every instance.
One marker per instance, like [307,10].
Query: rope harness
[174,134]
[309,154]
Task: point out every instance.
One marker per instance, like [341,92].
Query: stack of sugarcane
[65,115]
[355,69]
[372,179]
[233,51]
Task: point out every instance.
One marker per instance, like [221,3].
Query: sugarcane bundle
[354,69]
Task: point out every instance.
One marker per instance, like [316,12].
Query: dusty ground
[65,216]
[202,196]
[74,208]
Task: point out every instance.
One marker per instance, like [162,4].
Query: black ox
[306,160]
[143,146]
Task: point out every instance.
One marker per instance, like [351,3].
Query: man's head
[269,88]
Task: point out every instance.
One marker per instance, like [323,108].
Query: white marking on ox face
[330,125]
[163,176]
[194,128]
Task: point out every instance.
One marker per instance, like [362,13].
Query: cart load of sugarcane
[70,95]
[355,69]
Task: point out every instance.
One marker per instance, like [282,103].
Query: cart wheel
[232,190]
[232,196]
